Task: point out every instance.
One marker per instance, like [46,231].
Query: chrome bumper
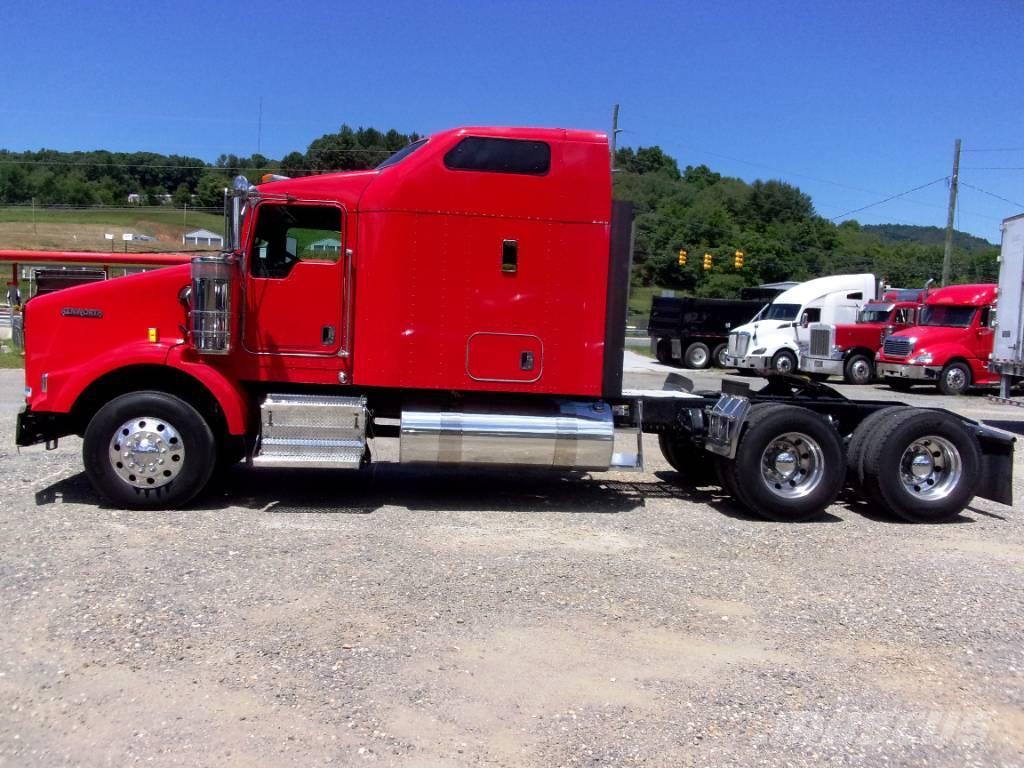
[914,372]
[758,363]
[833,367]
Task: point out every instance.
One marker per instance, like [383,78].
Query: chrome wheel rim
[861,371]
[147,452]
[723,358]
[784,364]
[931,468]
[792,465]
[956,379]
[698,358]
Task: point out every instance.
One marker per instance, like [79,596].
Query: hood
[765,327]
[930,335]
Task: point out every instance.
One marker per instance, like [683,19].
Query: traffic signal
[682,257]
[738,263]
[707,261]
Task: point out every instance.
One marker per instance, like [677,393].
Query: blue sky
[851,101]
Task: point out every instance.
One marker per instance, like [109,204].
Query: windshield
[401,154]
[954,317]
[873,316]
[782,312]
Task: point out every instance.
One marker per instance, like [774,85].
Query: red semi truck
[848,349]
[467,297]
[951,346]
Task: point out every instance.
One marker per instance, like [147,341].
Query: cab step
[312,431]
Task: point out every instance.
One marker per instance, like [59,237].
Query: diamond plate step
[312,431]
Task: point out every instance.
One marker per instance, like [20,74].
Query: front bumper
[832,367]
[912,372]
[751,362]
[41,427]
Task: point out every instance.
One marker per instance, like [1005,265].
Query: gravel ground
[399,617]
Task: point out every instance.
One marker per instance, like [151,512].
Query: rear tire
[663,351]
[922,465]
[855,450]
[719,355]
[693,464]
[955,379]
[697,356]
[789,464]
[859,369]
[148,450]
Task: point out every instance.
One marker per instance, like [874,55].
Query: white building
[202,237]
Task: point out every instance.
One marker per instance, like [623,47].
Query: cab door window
[288,234]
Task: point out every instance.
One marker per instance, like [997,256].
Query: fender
[233,401]
[66,387]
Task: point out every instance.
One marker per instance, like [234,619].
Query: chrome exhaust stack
[562,434]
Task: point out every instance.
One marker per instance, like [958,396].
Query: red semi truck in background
[951,346]
[848,349]
[467,297]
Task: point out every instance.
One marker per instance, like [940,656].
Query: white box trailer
[1008,348]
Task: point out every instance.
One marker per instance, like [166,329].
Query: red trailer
[467,297]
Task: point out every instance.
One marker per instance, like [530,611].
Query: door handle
[327,335]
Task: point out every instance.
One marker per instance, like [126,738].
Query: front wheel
[954,379]
[859,369]
[149,450]
[784,361]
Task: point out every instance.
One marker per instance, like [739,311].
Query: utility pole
[947,256]
[615,134]
[259,130]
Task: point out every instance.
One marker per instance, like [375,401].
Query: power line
[1004,149]
[991,194]
[994,168]
[891,197]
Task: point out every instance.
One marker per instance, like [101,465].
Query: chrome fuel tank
[563,434]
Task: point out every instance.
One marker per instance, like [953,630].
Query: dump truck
[468,299]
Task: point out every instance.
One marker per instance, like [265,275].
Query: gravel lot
[400,617]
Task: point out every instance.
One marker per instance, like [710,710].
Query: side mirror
[804,320]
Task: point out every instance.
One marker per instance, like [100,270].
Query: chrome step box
[312,431]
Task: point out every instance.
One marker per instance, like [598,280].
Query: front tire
[784,361]
[859,369]
[955,379]
[149,450]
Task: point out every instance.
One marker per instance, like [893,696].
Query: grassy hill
[906,233]
[84,229]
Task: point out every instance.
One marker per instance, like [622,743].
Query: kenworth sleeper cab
[468,298]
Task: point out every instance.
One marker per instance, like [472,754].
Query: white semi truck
[1008,345]
[772,342]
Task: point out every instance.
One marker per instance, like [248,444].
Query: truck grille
[738,343]
[898,346]
[821,342]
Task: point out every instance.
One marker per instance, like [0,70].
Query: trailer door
[295,281]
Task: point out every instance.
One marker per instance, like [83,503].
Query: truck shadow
[481,490]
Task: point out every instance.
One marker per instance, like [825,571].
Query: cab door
[295,281]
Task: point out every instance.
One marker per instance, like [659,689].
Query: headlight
[759,351]
[924,358]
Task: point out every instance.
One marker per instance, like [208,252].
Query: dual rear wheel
[790,464]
